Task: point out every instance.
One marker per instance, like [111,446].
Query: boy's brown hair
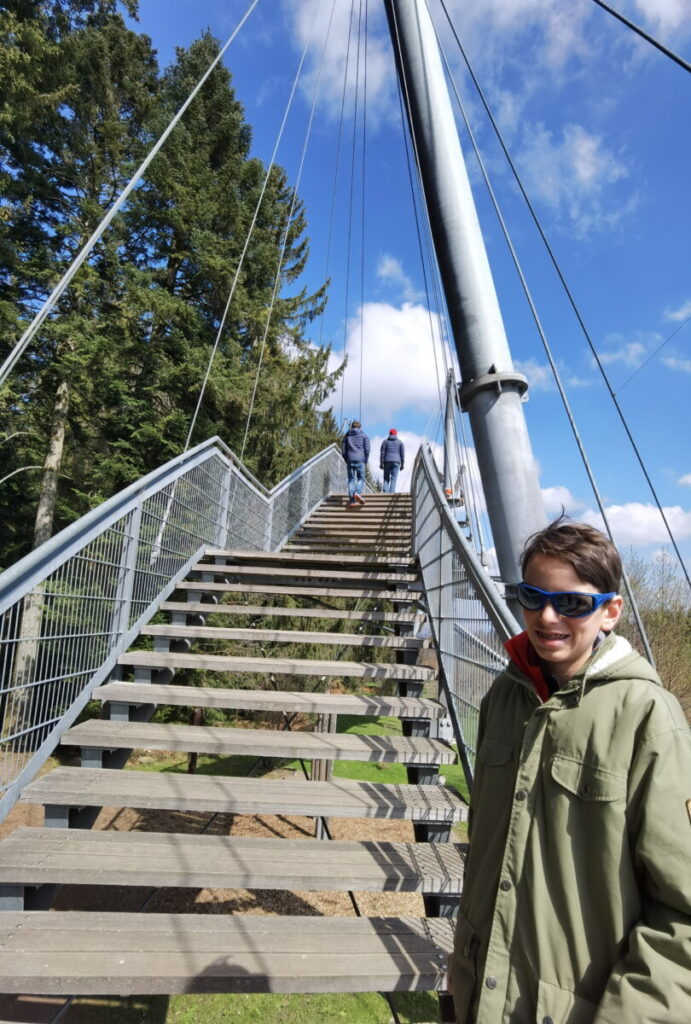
[591,554]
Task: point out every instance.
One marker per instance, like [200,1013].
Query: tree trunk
[45,513]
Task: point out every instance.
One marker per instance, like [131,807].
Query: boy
[576,907]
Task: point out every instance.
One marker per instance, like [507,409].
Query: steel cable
[645,35]
[569,295]
[548,352]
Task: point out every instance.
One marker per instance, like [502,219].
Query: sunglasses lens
[574,605]
[529,598]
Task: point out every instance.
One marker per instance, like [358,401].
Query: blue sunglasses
[572,604]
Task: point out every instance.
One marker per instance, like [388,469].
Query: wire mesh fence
[468,615]
[72,606]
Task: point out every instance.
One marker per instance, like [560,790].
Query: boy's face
[564,644]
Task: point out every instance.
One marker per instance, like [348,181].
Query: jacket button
[491,982]
[521,794]
[505,885]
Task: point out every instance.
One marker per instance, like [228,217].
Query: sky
[597,122]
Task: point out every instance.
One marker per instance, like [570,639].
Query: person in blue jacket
[391,460]
[355,451]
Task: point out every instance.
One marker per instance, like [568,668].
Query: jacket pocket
[559,1006]
[587,782]
[462,966]
[494,753]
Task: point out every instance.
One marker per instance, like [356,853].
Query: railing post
[125,587]
[222,527]
[268,539]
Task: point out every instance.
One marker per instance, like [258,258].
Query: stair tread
[313,591]
[80,953]
[290,557]
[339,798]
[346,614]
[284,743]
[269,700]
[278,666]
[39,856]
[286,636]
[365,576]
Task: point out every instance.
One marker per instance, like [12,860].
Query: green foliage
[662,597]
[82,102]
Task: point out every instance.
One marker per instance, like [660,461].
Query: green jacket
[576,906]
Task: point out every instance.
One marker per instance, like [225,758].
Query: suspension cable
[548,352]
[335,180]
[362,212]
[654,353]
[289,220]
[50,302]
[250,230]
[443,341]
[418,231]
[645,35]
[569,295]
[404,98]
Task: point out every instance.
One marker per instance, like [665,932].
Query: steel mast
[491,392]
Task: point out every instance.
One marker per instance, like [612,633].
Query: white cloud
[541,378]
[393,347]
[538,375]
[391,270]
[665,15]
[630,354]
[636,523]
[573,175]
[683,313]
[676,363]
[685,480]
[560,498]
[381,94]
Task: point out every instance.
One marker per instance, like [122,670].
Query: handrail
[468,614]
[72,606]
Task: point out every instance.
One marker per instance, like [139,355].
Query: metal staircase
[349,574]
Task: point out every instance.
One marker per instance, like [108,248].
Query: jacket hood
[616,659]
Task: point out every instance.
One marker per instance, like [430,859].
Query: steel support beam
[491,391]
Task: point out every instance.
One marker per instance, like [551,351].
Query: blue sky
[598,124]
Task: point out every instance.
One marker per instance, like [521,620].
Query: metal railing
[469,617]
[70,608]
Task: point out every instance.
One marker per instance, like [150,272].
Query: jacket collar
[608,650]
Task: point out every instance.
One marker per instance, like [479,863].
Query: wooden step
[292,558]
[359,530]
[284,636]
[376,497]
[341,544]
[313,591]
[391,579]
[269,700]
[40,856]
[80,953]
[221,794]
[276,666]
[343,614]
[360,516]
[284,744]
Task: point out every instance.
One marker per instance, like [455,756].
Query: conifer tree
[111,382]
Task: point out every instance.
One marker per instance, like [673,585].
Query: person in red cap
[391,460]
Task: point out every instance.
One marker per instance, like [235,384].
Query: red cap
[392,431]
